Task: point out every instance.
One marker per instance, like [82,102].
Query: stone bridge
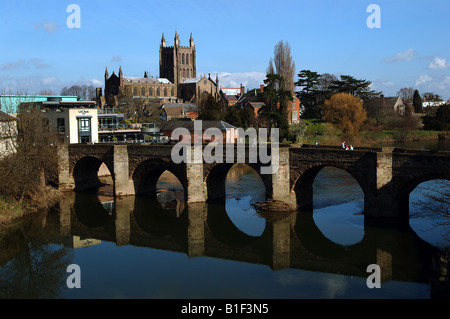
[386,175]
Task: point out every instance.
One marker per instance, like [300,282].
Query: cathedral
[177,81]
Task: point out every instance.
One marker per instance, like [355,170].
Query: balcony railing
[107,111]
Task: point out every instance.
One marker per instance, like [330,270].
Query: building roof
[256,105]
[187,107]
[231,97]
[173,110]
[231,91]
[172,125]
[250,97]
[192,80]
[130,79]
[11,102]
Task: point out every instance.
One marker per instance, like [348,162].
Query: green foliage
[232,117]
[317,88]
[355,87]
[308,96]
[211,110]
[417,102]
[440,121]
[247,117]
[345,112]
[297,131]
[276,101]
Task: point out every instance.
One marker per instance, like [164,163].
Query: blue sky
[234,38]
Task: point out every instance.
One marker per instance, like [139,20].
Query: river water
[162,248]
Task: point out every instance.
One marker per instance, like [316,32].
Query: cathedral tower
[177,63]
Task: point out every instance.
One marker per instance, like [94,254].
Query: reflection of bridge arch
[158,221]
[224,230]
[85,173]
[89,210]
[316,242]
[147,173]
[215,175]
[303,185]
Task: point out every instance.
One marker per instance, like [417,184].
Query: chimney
[242,90]
[261,88]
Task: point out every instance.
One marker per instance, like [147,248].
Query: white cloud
[423,79]
[49,80]
[96,82]
[438,63]
[438,84]
[49,27]
[32,63]
[250,79]
[116,58]
[407,55]
[12,65]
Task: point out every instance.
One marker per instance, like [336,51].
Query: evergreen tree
[232,117]
[359,88]
[417,102]
[210,109]
[276,100]
[308,81]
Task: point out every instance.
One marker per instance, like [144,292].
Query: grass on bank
[327,134]
[10,209]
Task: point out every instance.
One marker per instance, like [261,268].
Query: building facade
[177,72]
[75,121]
[8,134]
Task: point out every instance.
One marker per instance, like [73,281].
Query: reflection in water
[243,188]
[338,206]
[429,212]
[145,248]
[29,267]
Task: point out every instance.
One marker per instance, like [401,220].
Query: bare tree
[24,169]
[284,65]
[83,92]
[139,110]
[270,69]
[406,94]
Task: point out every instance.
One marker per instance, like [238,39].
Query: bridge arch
[215,176]
[407,186]
[85,173]
[147,173]
[303,185]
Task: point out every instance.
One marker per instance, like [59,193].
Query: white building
[75,125]
[76,121]
[8,133]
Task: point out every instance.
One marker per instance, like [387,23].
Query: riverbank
[11,209]
[326,134]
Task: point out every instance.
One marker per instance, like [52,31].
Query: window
[60,122]
[84,130]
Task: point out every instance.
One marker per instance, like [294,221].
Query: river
[163,248]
